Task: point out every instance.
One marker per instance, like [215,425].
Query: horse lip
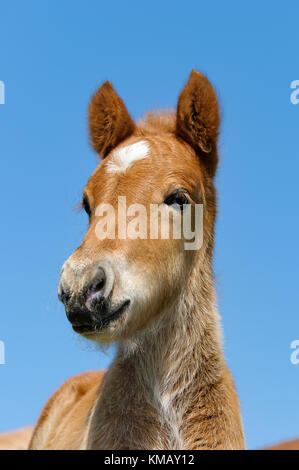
[83,328]
[101,323]
[113,315]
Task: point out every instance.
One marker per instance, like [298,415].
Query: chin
[107,334]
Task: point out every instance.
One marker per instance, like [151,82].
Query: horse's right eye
[86,206]
[177,198]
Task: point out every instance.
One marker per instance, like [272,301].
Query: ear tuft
[109,120]
[198,118]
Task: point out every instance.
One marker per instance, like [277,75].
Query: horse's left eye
[177,197]
[86,207]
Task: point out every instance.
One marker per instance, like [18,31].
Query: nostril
[95,291]
[63,296]
[98,287]
[98,281]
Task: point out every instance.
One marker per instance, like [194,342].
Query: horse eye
[177,197]
[86,207]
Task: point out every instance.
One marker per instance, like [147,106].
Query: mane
[157,122]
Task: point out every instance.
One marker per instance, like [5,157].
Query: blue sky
[53,55]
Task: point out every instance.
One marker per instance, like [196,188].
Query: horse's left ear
[198,119]
[109,120]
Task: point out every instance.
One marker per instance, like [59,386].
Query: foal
[168,386]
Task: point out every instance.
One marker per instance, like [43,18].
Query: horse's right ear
[109,120]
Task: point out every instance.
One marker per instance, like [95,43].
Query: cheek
[157,282]
[158,267]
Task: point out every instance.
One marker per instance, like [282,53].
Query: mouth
[100,324]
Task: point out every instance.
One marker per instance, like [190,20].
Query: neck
[159,377]
[184,341]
